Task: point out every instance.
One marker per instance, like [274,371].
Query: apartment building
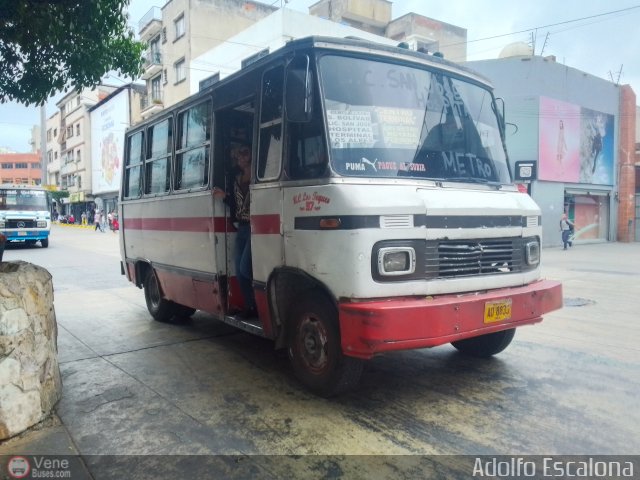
[53,152]
[22,168]
[417,31]
[74,137]
[182,30]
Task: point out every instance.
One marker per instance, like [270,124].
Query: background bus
[25,214]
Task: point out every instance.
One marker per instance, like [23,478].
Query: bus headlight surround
[41,224]
[532,252]
[393,261]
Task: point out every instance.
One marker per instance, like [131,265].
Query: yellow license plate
[497,311]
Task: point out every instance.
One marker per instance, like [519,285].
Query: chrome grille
[20,223]
[465,258]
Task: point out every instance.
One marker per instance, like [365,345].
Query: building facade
[569,124]
[180,31]
[21,168]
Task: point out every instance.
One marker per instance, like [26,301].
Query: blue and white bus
[25,214]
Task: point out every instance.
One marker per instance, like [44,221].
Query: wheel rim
[154,292]
[313,344]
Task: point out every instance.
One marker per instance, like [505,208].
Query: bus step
[251,325]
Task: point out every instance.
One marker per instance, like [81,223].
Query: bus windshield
[23,199]
[390,120]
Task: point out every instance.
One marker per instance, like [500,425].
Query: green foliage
[52,45]
[57,195]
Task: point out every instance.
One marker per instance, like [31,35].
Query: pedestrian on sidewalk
[566,228]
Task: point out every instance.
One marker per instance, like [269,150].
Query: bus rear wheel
[485,346]
[160,309]
[315,350]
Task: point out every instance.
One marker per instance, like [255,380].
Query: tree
[52,45]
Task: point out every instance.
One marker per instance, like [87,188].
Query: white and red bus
[383,212]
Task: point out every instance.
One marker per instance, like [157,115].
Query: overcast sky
[597,36]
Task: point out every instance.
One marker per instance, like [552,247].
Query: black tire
[485,346]
[160,309]
[44,242]
[314,347]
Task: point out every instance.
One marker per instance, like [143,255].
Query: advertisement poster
[108,124]
[559,141]
[575,144]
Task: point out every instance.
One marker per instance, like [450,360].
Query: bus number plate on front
[497,310]
[22,234]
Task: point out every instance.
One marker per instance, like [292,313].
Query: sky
[599,37]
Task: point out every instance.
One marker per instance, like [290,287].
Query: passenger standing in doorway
[566,227]
[240,201]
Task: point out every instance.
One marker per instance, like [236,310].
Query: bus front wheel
[44,242]
[485,346]
[314,347]
[160,309]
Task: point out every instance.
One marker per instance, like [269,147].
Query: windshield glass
[23,200]
[388,120]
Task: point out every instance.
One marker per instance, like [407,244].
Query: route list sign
[349,127]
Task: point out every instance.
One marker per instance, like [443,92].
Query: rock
[30,384]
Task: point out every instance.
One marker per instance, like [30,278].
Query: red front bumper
[378,326]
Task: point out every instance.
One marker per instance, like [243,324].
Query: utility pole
[43,143]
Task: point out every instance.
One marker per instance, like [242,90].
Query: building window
[55,155]
[70,131]
[49,156]
[78,100]
[49,135]
[55,133]
[35,165]
[180,70]
[156,90]
[7,165]
[22,165]
[78,129]
[164,77]
[78,155]
[179,26]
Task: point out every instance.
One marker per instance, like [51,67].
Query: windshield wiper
[482,181]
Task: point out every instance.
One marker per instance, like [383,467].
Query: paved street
[134,386]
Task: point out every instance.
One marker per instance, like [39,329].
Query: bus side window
[192,152]
[270,141]
[135,144]
[158,162]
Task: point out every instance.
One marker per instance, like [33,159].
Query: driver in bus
[239,201]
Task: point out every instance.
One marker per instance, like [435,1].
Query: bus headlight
[532,252]
[41,224]
[2,223]
[396,261]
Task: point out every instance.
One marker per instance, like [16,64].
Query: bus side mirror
[298,91]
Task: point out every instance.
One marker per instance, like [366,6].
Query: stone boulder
[30,384]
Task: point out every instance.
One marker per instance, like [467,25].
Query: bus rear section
[25,215]
[383,214]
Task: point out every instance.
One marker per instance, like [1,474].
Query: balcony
[152,64]
[151,104]
[150,25]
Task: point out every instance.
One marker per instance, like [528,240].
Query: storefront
[589,211]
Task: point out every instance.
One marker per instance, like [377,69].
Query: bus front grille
[467,258]
[13,223]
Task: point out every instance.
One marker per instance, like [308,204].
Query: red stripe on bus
[268,224]
[177,224]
